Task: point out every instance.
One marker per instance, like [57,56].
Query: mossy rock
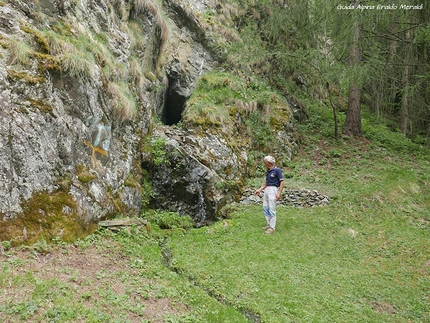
[42,106]
[45,216]
[30,79]
[84,174]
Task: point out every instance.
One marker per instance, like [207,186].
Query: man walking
[272,192]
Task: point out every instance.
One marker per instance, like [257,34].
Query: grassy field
[363,258]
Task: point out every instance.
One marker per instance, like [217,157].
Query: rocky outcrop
[81,85]
[197,174]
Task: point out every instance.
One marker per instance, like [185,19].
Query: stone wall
[290,197]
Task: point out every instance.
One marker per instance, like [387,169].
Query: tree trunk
[404,115]
[352,124]
[336,135]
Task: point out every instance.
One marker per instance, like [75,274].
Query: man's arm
[260,189]
[281,187]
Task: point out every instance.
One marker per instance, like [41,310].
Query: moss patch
[3,42]
[47,62]
[131,182]
[45,216]
[44,46]
[30,79]
[41,105]
[220,98]
[84,174]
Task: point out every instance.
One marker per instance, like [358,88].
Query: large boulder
[190,176]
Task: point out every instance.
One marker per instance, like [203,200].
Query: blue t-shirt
[274,177]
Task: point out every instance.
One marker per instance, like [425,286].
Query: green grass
[105,277]
[363,258]
[122,100]
[19,51]
[219,96]
[318,267]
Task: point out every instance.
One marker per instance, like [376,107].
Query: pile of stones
[290,197]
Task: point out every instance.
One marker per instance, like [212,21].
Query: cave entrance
[174,104]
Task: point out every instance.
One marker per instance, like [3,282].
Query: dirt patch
[384,307]
[98,278]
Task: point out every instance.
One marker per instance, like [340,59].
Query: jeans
[269,205]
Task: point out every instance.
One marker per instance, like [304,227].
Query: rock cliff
[84,87]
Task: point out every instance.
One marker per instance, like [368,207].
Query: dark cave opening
[174,104]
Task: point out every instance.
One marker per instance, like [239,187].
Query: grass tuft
[19,52]
[77,63]
[123,101]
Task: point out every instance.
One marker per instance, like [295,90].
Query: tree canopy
[373,56]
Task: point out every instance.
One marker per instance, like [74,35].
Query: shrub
[259,131]
[170,220]
[158,151]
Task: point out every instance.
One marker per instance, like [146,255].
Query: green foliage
[364,258]
[362,241]
[158,151]
[123,100]
[347,258]
[169,220]
[321,121]
[219,97]
[147,191]
[40,39]
[42,246]
[77,63]
[207,105]
[19,52]
[135,28]
[381,134]
[423,35]
[5,245]
[261,134]
[301,46]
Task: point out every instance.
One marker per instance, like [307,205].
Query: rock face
[192,178]
[81,84]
